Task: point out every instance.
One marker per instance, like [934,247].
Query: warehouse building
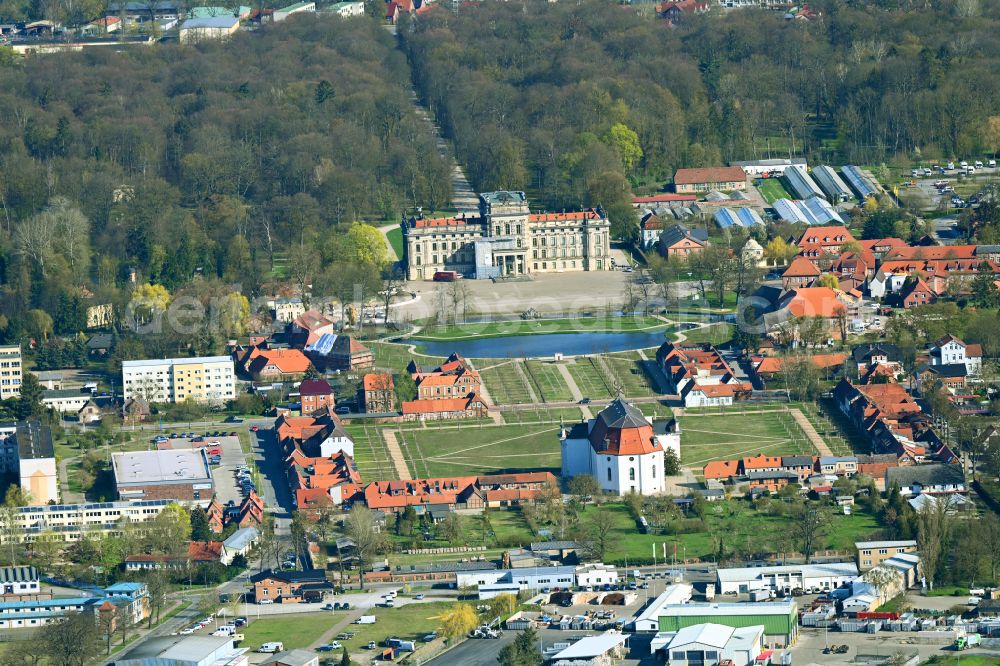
[780,619]
[801,184]
[859,182]
[673,595]
[173,474]
[833,186]
[787,577]
[813,211]
[770,168]
[710,644]
[530,578]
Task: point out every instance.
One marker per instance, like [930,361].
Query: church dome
[621,430]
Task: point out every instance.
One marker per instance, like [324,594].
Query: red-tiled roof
[311,387]
[801,267]
[444,221]
[378,382]
[761,462]
[814,302]
[722,469]
[205,551]
[589,214]
[287,361]
[709,175]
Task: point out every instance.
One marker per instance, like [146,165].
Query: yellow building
[202,379]
[873,553]
[10,371]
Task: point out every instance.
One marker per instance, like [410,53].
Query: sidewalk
[396,455]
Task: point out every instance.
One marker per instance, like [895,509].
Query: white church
[621,448]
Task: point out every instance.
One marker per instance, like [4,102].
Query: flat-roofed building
[873,553]
[174,474]
[787,577]
[68,521]
[779,618]
[37,462]
[10,371]
[201,379]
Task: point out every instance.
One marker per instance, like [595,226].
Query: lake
[534,346]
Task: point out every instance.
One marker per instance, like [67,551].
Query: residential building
[297,8]
[723,179]
[936,479]
[722,470]
[768,368]
[838,465]
[715,645]
[676,10]
[319,436]
[779,618]
[872,553]
[700,375]
[879,353]
[800,304]
[916,292]
[283,587]
[36,609]
[65,401]
[752,254]
[469,407]
[377,394]
[678,241]
[277,365]
[950,350]
[339,352]
[309,327]
[315,395]
[621,448]
[210,28]
[68,521]
[198,553]
[185,651]
[462,492]
[787,577]
[505,238]
[453,378]
[346,9]
[10,371]
[175,474]
[890,418]
[818,241]
[100,344]
[316,482]
[209,379]
[651,226]
[287,310]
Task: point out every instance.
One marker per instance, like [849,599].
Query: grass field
[506,385]
[592,380]
[370,452]
[548,381]
[629,369]
[737,519]
[410,622]
[734,435]
[395,237]
[392,356]
[715,334]
[483,449]
[472,331]
[295,631]
[772,190]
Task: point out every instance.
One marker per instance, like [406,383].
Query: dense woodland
[577,101]
[221,161]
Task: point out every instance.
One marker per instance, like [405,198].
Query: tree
[70,641]
[148,302]
[39,324]
[933,535]
[584,486]
[599,528]
[990,534]
[367,245]
[360,528]
[828,280]
[324,91]
[523,651]
[458,620]
[671,463]
[780,252]
[345,658]
[170,531]
[808,526]
[451,528]
[626,142]
[199,525]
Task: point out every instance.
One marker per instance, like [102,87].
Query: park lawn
[393,356]
[656,410]
[484,449]
[715,334]
[548,381]
[510,526]
[607,324]
[505,383]
[591,379]
[772,190]
[370,452]
[395,237]
[735,518]
[410,623]
[842,440]
[298,630]
[733,435]
[542,415]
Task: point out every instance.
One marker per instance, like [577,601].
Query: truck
[968,641]
[760,595]
[365,619]
[271,648]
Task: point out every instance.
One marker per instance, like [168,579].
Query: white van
[271,648]
[225,630]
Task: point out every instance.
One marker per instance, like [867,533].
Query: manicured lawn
[391,356]
[592,380]
[772,190]
[370,452]
[298,630]
[410,622]
[540,327]
[525,416]
[715,334]
[483,449]
[735,435]
[656,410]
[548,381]
[506,385]
[395,237]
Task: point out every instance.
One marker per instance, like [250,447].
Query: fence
[441,551]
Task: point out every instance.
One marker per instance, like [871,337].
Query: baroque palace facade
[506,239]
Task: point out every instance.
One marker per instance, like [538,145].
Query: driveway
[273,480]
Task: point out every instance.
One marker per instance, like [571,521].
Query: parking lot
[223,446]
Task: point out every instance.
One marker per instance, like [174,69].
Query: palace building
[506,239]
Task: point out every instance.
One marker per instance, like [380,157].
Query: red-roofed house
[725,179]
[316,395]
[818,241]
[377,394]
[916,293]
[310,326]
[454,378]
[700,375]
[760,463]
[800,273]
[723,470]
[277,364]
[471,406]
[767,368]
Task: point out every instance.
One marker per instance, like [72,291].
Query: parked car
[419,597]
[265,602]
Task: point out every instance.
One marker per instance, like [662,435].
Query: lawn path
[500,441]
[810,431]
[574,390]
[396,455]
[527,382]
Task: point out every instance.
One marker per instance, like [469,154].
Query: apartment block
[10,371]
[201,379]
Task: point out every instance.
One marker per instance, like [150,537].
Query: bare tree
[361,529]
[933,533]
[599,529]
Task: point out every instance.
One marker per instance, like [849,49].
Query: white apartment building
[66,522]
[201,379]
[10,371]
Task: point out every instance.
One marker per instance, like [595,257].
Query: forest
[580,102]
[221,161]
